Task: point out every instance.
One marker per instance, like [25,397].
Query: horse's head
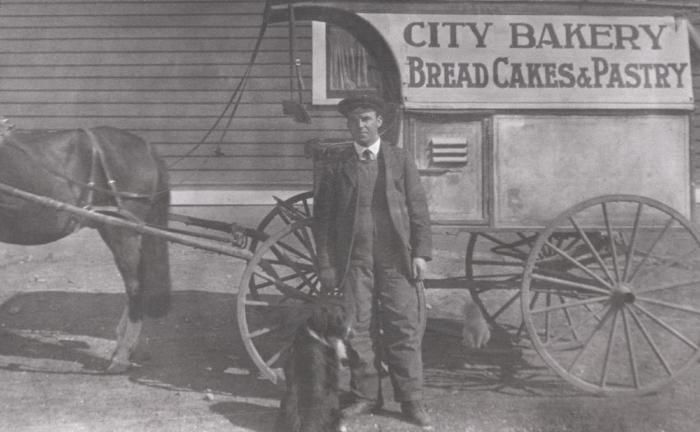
[5,126]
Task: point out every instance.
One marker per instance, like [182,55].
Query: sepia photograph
[349,215]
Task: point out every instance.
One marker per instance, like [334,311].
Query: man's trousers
[387,313]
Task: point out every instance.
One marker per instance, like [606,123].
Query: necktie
[367,155]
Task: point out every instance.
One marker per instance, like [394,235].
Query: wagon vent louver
[448,150]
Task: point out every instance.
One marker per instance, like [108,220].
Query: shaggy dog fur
[311,401]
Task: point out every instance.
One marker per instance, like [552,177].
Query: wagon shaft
[94,216]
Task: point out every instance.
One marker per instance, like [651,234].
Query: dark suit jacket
[336,200]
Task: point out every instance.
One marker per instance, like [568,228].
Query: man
[373,240]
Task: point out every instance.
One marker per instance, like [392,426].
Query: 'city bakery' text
[592,71]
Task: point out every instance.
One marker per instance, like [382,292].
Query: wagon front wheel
[275,295]
[622,314]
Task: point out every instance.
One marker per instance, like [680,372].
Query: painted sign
[527,61]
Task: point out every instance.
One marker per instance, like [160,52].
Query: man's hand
[328,279]
[420,268]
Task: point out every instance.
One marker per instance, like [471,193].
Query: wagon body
[576,198]
[497,156]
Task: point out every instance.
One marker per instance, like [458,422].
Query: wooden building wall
[165,69]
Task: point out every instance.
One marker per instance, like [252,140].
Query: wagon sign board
[526,61]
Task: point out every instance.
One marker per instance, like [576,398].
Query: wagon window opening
[342,66]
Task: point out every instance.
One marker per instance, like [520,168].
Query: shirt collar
[374,148]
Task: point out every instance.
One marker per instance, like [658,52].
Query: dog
[311,402]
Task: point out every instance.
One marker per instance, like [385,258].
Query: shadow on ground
[196,348]
[498,368]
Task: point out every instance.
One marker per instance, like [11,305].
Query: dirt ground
[59,305]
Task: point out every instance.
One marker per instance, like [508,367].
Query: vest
[374,234]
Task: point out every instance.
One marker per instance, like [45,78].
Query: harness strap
[97,150]
[99,160]
[90,199]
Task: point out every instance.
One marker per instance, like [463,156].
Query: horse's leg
[125,246]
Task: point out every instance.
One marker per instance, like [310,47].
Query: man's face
[364,124]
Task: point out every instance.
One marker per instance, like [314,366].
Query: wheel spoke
[284,288]
[671,286]
[586,287]
[533,300]
[569,320]
[593,250]
[276,356]
[630,349]
[570,304]
[608,349]
[578,264]
[264,331]
[633,239]
[257,303]
[267,283]
[611,240]
[653,245]
[308,242]
[293,250]
[651,342]
[589,339]
[547,321]
[666,326]
[285,260]
[670,305]
[575,329]
[506,305]
[282,214]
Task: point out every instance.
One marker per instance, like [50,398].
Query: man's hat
[350,104]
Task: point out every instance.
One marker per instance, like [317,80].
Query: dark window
[349,67]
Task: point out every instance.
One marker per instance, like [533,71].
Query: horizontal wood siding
[164,70]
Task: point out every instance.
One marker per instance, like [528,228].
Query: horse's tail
[154,265]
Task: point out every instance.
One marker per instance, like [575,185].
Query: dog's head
[327,323]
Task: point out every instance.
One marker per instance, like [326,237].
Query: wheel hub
[622,294]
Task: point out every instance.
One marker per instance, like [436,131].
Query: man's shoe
[414,412]
[359,407]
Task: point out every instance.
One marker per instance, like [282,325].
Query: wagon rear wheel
[622,316]
[494,264]
[276,291]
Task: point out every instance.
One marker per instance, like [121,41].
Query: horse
[107,170]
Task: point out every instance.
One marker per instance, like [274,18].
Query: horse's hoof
[116,368]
